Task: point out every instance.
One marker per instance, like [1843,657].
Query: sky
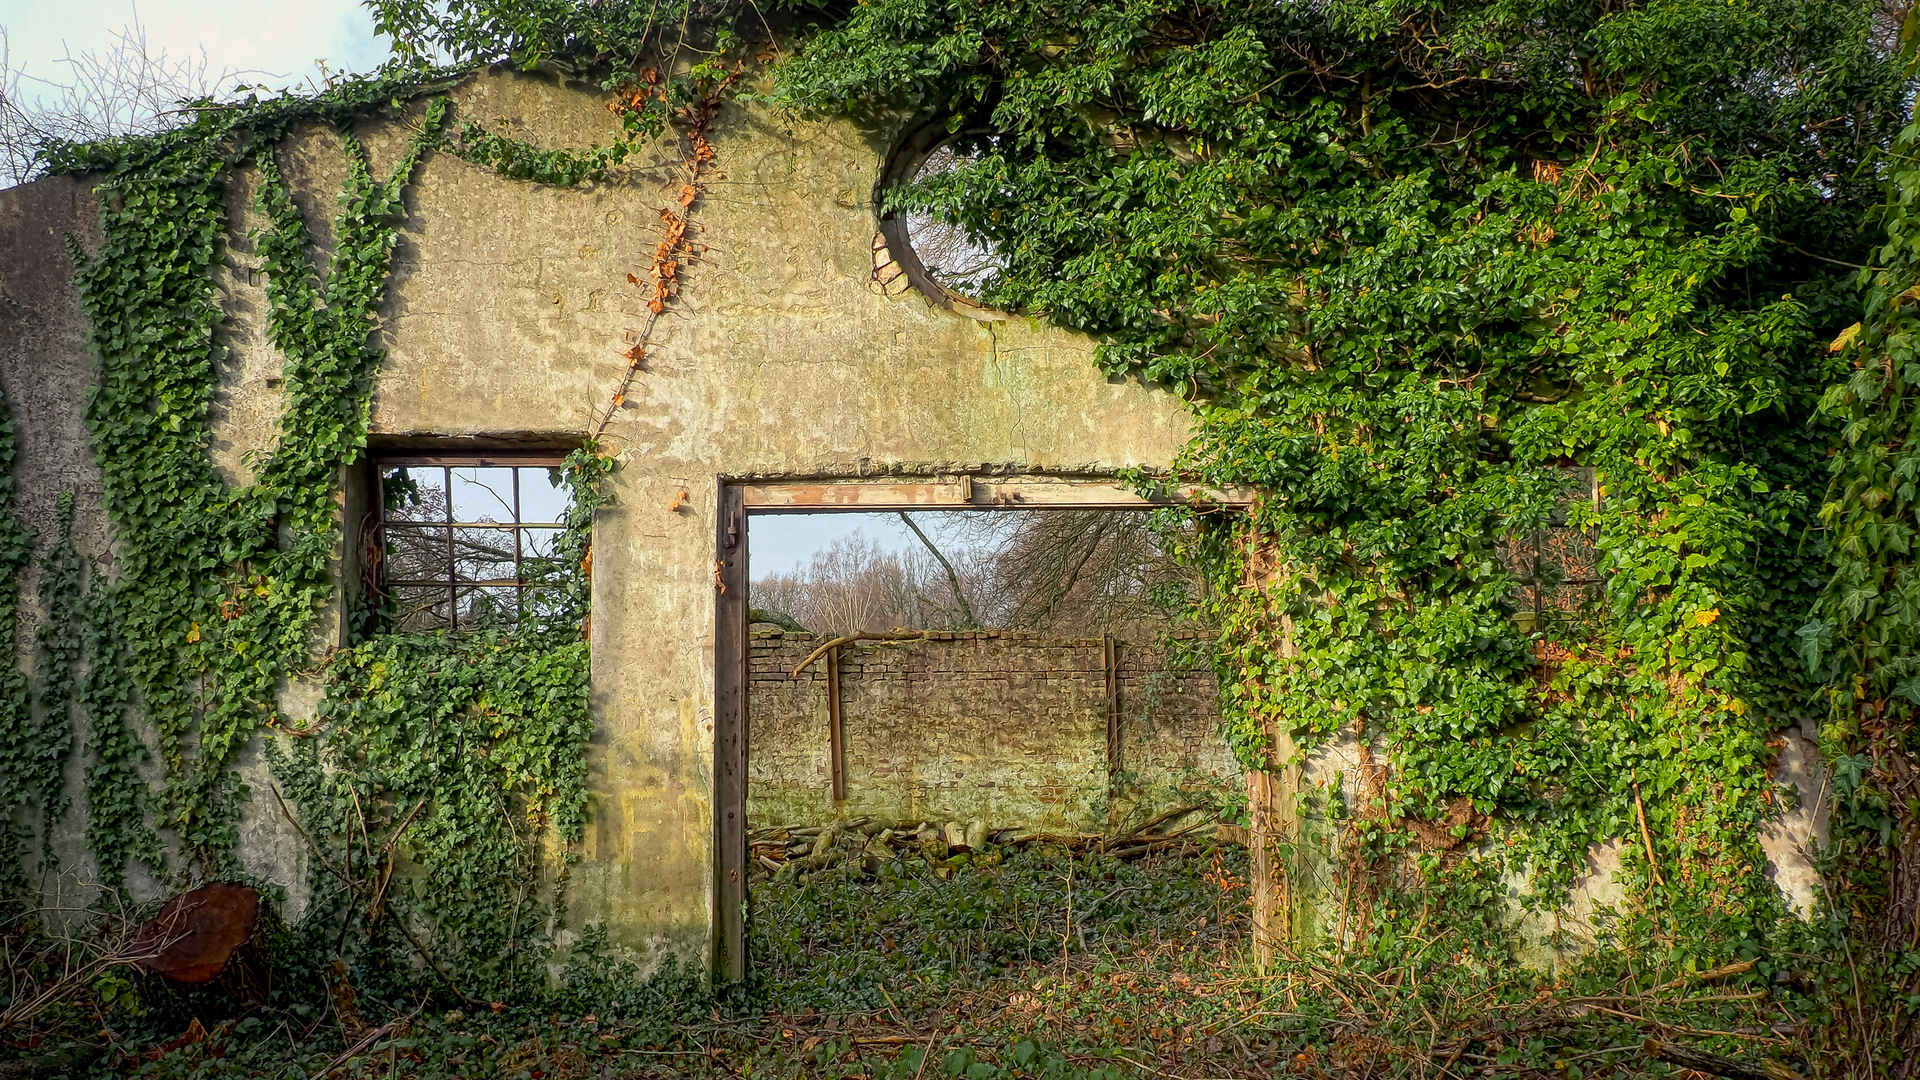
[782,543]
[283,44]
[277,42]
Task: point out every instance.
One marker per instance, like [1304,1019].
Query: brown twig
[1646,837]
[369,1039]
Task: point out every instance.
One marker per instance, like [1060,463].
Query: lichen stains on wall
[507,314]
[1007,729]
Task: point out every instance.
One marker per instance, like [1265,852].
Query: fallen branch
[1718,1064]
[848,639]
[369,1039]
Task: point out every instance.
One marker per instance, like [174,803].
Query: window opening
[471,543]
[946,260]
[1556,566]
[956,258]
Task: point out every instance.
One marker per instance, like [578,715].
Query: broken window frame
[379,464]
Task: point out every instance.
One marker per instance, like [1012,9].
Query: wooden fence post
[836,733]
[1109,659]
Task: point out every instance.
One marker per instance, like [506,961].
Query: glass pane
[541,496]
[416,607]
[417,554]
[539,543]
[1570,555]
[483,554]
[482,494]
[414,493]
[540,562]
[488,607]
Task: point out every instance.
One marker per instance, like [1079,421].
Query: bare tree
[1052,571]
[130,87]
[952,255]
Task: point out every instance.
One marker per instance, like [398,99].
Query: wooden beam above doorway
[967,492]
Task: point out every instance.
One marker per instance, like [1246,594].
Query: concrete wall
[508,310]
[1008,729]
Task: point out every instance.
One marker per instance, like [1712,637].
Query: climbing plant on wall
[20,750]
[1864,635]
[210,606]
[1416,267]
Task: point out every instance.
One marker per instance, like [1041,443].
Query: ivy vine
[1415,267]
[19,752]
[61,654]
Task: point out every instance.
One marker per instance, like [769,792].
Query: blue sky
[284,44]
[277,43]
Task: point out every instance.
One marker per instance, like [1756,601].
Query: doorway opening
[949,663]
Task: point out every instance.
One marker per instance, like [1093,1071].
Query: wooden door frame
[740,498]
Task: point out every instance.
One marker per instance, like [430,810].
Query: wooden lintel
[863,496]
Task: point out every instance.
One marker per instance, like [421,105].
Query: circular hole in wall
[942,258]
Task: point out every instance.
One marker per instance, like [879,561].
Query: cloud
[277,44]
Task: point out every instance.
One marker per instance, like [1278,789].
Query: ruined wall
[1008,729]
[507,314]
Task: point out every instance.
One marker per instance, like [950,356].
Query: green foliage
[119,826]
[460,756]
[62,601]
[1409,262]
[218,585]
[604,37]
[519,160]
[1863,640]
[912,932]
[20,752]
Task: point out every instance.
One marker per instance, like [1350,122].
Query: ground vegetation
[1418,268]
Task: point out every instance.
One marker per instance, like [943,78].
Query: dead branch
[1718,1064]
[848,639]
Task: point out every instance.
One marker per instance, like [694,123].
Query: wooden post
[730,657]
[836,736]
[1109,651]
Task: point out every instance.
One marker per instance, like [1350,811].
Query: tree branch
[953,579]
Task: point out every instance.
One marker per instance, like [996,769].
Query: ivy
[119,826]
[460,755]
[61,655]
[1864,640]
[19,750]
[516,159]
[216,607]
[1413,279]
[1416,268]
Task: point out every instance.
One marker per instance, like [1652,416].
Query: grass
[1031,963]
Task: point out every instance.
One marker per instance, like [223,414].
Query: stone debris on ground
[788,849]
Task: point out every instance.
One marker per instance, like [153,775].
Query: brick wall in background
[1005,728]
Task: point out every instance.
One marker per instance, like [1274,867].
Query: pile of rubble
[786,849]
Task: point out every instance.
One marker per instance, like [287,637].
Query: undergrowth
[1035,963]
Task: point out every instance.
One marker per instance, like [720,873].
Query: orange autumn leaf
[656,306]
[1705,618]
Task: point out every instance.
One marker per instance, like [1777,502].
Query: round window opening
[943,257]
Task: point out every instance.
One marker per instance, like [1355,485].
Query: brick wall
[1010,729]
